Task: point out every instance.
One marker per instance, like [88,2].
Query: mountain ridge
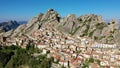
[89,25]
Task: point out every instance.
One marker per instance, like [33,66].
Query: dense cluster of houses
[70,51]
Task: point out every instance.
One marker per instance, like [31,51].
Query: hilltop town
[70,50]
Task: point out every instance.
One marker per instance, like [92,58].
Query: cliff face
[90,25]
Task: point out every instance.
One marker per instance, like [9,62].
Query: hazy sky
[26,9]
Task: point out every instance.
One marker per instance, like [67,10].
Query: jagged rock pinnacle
[50,9]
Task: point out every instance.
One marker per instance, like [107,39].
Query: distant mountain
[22,22]
[6,26]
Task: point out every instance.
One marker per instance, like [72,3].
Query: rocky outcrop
[36,23]
[33,25]
[68,24]
[114,24]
